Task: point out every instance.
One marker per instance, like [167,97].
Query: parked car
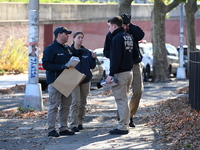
[146,50]
[147,60]
[185,56]
[105,61]
[172,58]
[98,72]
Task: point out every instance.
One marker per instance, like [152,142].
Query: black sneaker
[66,132]
[53,134]
[131,124]
[117,131]
[80,127]
[75,129]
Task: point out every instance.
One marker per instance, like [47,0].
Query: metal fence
[194,80]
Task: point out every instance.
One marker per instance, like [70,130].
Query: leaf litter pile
[21,113]
[177,124]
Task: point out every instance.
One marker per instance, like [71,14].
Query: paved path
[8,81]
[101,118]
[96,135]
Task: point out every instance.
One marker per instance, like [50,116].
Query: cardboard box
[68,80]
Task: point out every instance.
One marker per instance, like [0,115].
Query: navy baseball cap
[61,30]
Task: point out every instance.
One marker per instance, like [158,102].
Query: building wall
[89,18]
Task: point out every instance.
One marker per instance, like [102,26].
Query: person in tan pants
[121,63]
[80,93]
[137,89]
[137,84]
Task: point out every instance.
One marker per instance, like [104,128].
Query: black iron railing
[194,80]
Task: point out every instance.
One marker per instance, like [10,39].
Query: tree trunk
[160,65]
[158,40]
[124,6]
[190,10]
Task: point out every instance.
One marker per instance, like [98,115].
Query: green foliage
[14,56]
[2,72]
[23,110]
[59,1]
[188,145]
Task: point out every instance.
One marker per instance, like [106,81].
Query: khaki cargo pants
[137,89]
[120,93]
[58,100]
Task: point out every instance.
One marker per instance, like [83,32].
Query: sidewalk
[8,81]
[100,119]
[96,135]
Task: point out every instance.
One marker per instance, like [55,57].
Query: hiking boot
[131,124]
[66,132]
[80,127]
[75,129]
[117,131]
[53,133]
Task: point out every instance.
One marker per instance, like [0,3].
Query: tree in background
[160,66]
[160,9]
[190,9]
[124,6]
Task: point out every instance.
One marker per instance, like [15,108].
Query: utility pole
[33,96]
[181,70]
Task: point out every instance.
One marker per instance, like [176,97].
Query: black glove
[64,67]
[126,18]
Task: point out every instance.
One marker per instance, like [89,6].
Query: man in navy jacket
[137,84]
[121,63]
[55,56]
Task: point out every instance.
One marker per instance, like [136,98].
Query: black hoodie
[121,52]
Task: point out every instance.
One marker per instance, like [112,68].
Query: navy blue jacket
[87,62]
[135,31]
[121,51]
[55,56]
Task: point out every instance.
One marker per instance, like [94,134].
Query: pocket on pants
[53,94]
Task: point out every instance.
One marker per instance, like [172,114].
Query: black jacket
[86,63]
[121,50]
[55,56]
[135,31]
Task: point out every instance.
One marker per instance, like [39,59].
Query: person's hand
[64,67]
[94,55]
[109,79]
[126,18]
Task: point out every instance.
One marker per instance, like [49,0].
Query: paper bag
[68,80]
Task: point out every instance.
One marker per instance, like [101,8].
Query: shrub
[14,56]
